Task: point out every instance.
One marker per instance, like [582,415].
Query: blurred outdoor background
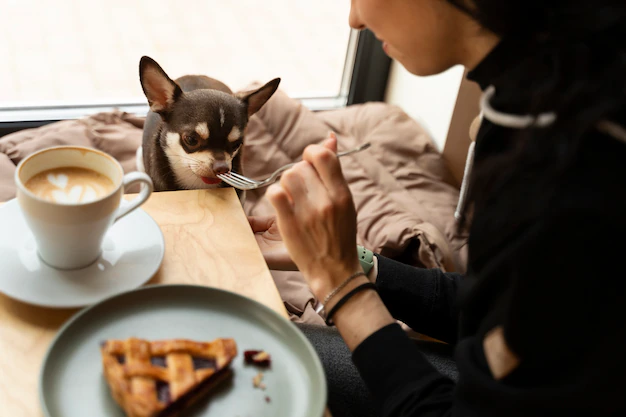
[88,51]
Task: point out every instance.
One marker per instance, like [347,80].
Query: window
[68,58]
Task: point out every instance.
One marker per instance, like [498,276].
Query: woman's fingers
[331,142]
[305,188]
[295,185]
[316,218]
[279,198]
[325,162]
[301,183]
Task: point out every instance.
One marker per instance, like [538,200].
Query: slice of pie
[164,378]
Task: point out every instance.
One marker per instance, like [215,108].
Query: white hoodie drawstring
[502,119]
[517,122]
[512,121]
[469,163]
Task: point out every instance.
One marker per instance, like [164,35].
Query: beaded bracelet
[340,303]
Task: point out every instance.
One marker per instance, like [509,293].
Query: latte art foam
[70,185]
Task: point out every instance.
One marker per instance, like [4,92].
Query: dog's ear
[160,90]
[255,99]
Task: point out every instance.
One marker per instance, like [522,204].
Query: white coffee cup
[70,235]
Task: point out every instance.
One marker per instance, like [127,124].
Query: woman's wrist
[361,315]
[323,281]
[343,291]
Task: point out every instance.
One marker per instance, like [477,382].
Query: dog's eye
[234,146]
[190,139]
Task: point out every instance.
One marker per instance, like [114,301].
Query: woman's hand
[317,219]
[271,243]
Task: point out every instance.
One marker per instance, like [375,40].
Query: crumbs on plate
[257,381]
[258,358]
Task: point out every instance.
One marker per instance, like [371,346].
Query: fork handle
[355,150]
[278,172]
[285,168]
[339,155]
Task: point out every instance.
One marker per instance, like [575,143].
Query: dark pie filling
[250,358]
[163,388]
[203,363]
[158,361]
[163,392]
[190,397]
[198,363]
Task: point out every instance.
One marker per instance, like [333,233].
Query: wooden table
[207,242]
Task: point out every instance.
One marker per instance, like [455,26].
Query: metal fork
[245,183]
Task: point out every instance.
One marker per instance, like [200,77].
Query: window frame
[370,75]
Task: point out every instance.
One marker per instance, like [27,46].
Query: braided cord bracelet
[346,298]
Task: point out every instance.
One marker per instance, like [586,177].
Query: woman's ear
[159,89]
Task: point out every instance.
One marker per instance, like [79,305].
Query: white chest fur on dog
[139,160]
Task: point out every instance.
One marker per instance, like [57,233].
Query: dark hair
[574,65]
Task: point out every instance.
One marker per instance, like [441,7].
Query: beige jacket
[404,193]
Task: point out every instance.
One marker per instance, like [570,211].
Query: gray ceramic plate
[71,381]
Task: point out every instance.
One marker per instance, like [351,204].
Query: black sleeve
[567,286]
[400,377]
[568,282]
[424,299]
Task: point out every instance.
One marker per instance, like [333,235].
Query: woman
[538,321]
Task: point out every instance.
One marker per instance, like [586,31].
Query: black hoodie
[552,280]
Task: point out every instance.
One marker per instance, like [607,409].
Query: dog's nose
[220,167]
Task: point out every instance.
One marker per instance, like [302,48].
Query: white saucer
[132,253]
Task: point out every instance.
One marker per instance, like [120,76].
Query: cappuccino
[70,185]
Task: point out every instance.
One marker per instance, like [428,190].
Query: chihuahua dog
[194,129]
